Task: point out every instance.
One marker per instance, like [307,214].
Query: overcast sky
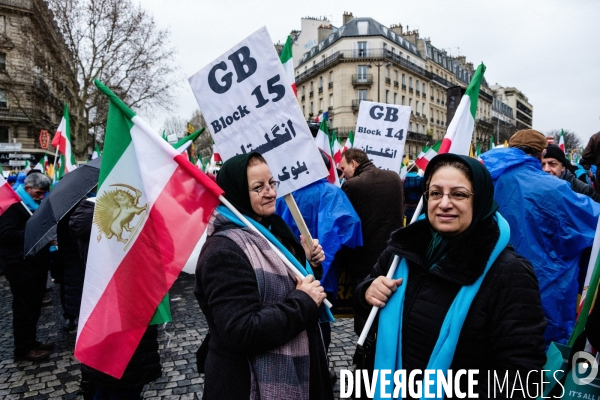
[548,49]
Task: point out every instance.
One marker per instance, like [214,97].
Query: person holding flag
[27,276]
[262,319]
[460,299]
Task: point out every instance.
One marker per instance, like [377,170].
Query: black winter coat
[72,265]
[581,187]
[504,328]
[12,239]
[144,367]
[227,292]
[378,198]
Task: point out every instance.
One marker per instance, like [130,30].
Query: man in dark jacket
[378,198]
[555,163]
[591,155]
[26,276]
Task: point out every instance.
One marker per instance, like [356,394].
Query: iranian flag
[62,142]
[431,152]
[41,165]
[492,145]
[216,156]
[336,149]
[561,142]
[7,195]
[152,207]
[96,153]
[288,62]
[460,132]
[323,142]
[404,169]
[349,142]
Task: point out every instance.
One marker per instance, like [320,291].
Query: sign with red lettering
[44,139]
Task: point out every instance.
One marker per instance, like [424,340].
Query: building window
[403,79]
[3,24]
[330,101]
[303,90]
[395,98]
[311,108]
[410,126]
[384,47]
[330,76]
[2,61]
[410,102]
[362,94]
[363,27]
[311,87]
[387,96]
[396,75]
[410,82]
[3,99]
[417,128]
[362,49]
[423,108]
[424,93]
[321,105]
[403,100]
[417,105]
[320,82]
[362,73]
[303,110]
[3,134]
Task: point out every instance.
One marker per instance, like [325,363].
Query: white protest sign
[248,104]
[381,133]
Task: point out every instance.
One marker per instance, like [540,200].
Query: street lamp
[379,65]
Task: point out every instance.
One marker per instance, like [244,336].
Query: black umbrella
[41,227]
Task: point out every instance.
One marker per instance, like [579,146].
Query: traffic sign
[6,147]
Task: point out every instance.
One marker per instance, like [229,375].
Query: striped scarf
[282,372]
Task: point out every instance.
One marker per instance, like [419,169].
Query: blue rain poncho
[550,226]
[330,217]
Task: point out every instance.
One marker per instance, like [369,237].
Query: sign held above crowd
[249,105]
[381,133]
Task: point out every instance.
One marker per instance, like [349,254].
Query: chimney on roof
[323,32]
[347,17]
[397,29]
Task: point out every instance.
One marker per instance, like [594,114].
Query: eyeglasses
[455,195]
[261,189]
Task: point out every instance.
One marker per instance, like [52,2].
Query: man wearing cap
[555,163]
[591,155]
[550,225]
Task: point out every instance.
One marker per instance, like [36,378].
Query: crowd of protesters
[501,244]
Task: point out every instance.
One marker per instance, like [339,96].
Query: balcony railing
[403,86]
[17,3]
[311,93]
[388,80]
[321,89]
[330,108]
[362,79]
[303,97]
[356,103]
[396,83]
[418,92]
[410,90]
[419,137]
[330,84]
[432,99]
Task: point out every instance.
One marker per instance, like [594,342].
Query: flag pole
[54,166]
[273,247]
[298,219]
[391,271]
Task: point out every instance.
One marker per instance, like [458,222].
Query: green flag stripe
[119,125]
[473,89]
[191,137]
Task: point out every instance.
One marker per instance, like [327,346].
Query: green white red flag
[427,155]
[288,62]
[336,149]
[561,142]
[460,131]
[62,142]
[404,169]
[323,142]
[7,195]
[96,153]
[152,207]
[349,142]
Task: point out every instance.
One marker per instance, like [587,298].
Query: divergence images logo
[581,369]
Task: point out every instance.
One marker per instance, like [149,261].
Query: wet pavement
[59,376]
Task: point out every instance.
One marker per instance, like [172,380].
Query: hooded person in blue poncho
[460,297]
[550,225]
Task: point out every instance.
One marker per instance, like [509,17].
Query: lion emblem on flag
[115,210]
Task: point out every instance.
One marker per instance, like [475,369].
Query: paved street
[58,377]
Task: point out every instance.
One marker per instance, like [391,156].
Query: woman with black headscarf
[460,298]
[265,341]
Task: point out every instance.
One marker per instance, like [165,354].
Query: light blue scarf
[325,314]
[27,199]
[389,334]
